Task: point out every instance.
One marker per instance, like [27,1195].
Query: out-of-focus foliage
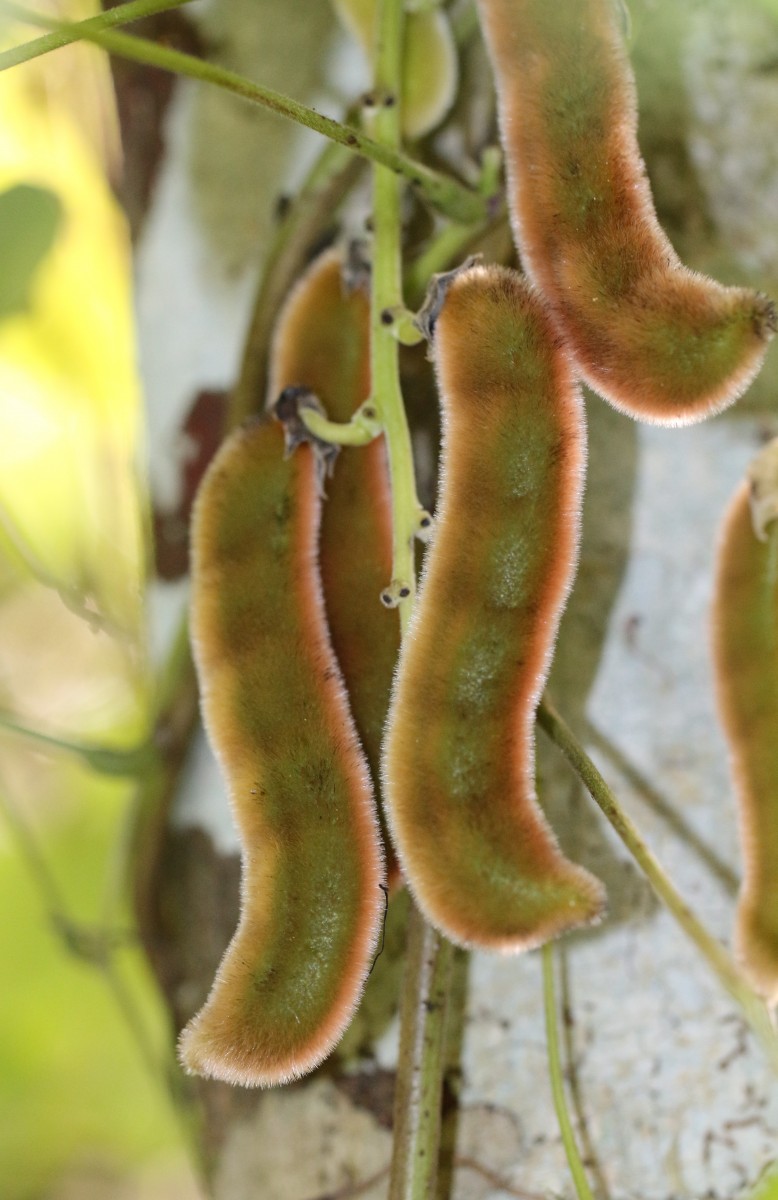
[30,218]
[69,412]
[75,1096]
[77,1102]
[767,1187]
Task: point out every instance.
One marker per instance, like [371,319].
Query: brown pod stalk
[459,760]
[745,655]
[659,341]
[322,344]
[277,716]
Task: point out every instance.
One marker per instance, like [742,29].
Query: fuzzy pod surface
[276,714]
[745,656]
[459,761]
[322,343]
[662,343]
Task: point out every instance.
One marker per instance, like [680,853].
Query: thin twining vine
[582,1189]
[123,763]
[444,193]
[421,1063]
[65,35]
[721,964]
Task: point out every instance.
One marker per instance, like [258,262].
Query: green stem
[100,758]
[441,191]
[361,430]
[440,252]
[123,14]
[387,295]
[582,1188]
[651,796]
[417,1106]
[402,322]
[714,953]
[454,243]
[570,1073]
[421,1063]
[451,1103]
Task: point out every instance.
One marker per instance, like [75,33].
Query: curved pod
[276,714]
[660,342]
[322,343]
[745,653]
[473,843]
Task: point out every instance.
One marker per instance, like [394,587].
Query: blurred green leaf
[766,1187]
[30,219]
[73,1085]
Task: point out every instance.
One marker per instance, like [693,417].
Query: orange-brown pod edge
[276,714]
[459,764]
[745,656]
[659,341]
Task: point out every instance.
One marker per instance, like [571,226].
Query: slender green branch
[362,429]
[418,1094]
[451,1101]
[451,245]
[123,14]
[421,1062]
[582,1189]
[440,252]
[651,796]
[100,758]
[714,953]
[387,297]
[570,1073]
[441,191]
[401,323]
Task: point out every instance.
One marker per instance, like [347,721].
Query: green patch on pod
[459,759]
[662,343]
[745,653]
[430,68]
[276,714]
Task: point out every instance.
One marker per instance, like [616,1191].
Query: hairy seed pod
[430,67]
[459,764]
[276,714]
[660,342]
[745,655]
[322,344]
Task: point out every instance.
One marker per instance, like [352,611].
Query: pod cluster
[295,654]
